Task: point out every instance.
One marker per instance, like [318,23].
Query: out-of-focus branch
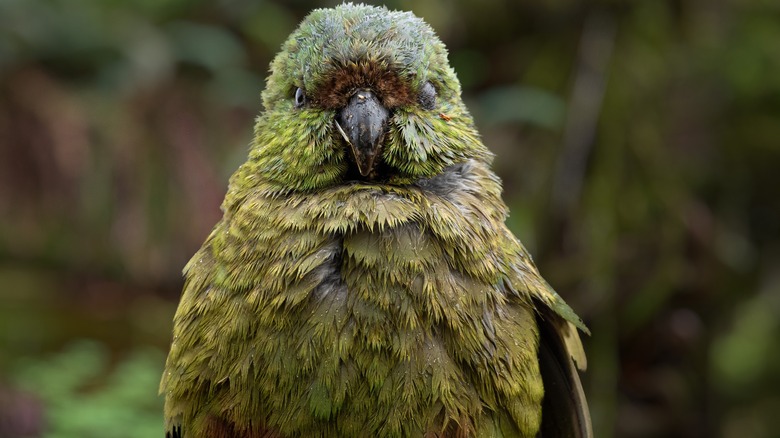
[590,82]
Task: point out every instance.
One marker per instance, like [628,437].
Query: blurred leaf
[83,397]
[741,357]
[471,67]
[521,105]
[269,24]
[210,47]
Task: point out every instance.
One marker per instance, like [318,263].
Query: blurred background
[638,140]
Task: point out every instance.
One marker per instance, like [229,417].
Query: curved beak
[363,123]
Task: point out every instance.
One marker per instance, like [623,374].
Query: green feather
[324,306]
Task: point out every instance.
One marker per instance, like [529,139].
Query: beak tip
[365,163]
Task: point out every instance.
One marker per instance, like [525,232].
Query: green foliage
[516,104]
[87,395]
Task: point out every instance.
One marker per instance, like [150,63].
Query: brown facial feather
[346,79]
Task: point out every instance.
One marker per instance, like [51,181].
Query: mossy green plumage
[323,306]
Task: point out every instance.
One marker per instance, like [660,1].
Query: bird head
[361,93]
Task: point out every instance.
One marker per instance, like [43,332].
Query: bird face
[361,95]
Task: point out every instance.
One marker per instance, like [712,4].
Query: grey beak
[363,122]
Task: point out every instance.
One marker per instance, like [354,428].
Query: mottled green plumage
[395,305]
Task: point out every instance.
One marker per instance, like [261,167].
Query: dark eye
[300,98]
[428,96]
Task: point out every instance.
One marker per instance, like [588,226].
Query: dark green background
[639,144]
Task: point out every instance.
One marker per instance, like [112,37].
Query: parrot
[362,281]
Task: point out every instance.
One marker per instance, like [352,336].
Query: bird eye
[428,96]
[300,98]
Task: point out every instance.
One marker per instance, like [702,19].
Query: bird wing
[565,410]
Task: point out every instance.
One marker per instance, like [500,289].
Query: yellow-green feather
[324,307]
